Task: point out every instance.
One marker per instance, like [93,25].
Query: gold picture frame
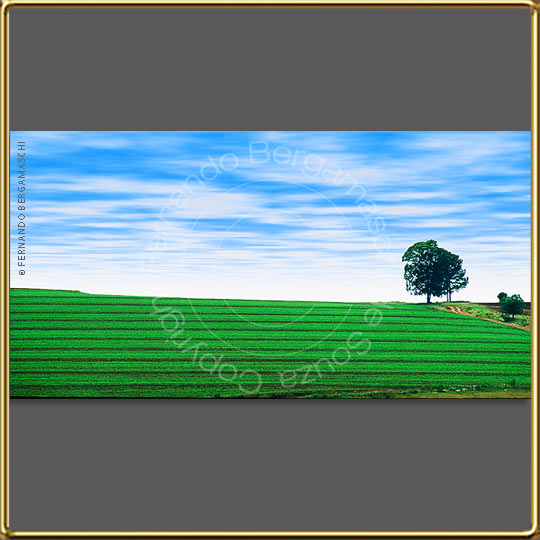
[6,5]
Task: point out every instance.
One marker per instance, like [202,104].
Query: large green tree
[453,273]
[433,271]
[422,269]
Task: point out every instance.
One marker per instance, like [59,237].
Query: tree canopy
[512,305]
[453,273]
[433,271]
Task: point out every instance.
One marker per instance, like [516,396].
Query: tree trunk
[450,295]
[429,298]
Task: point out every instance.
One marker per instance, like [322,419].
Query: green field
[73,344]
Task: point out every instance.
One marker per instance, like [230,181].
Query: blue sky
[285,215]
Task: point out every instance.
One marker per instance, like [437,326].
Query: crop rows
[71,344]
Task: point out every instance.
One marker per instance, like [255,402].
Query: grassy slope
[71,344]
[488,312]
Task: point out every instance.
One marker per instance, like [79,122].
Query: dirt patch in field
[495,307]
[419,393]
[460,311]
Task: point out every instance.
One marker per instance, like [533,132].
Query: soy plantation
[73,344]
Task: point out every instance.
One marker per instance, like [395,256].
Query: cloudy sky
[277,215]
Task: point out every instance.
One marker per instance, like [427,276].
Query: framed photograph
[152,275]
[271,265]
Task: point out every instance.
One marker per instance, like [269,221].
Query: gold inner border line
[228,4]
[6,5]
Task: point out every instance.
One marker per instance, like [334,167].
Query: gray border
[216,465]
[274,69]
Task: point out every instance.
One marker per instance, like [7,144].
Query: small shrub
[512,305]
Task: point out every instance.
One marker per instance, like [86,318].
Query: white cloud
[265,224]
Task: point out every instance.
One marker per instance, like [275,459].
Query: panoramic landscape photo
[270,265]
